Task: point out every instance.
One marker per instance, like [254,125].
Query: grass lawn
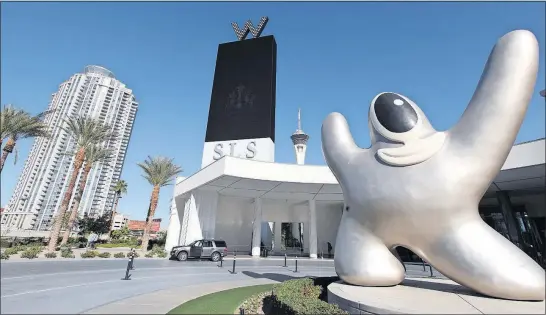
[223,302]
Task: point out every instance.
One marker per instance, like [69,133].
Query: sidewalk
[162,301]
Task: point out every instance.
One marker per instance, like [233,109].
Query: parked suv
[207,248]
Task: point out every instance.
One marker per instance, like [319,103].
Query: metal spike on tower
[299,139]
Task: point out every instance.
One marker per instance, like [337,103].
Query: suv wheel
[215,256]
[182,256]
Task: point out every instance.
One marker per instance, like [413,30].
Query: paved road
[78,286]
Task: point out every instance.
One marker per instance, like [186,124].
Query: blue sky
[331,57]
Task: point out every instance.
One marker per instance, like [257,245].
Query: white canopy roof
[524,169]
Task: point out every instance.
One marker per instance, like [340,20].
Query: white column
[173,231]
[278,239]
[207,204]
[257,227]
[175,221]
[312,229]
[191,227]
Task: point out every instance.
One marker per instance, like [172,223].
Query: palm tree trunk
[8,148]
[114,210]
[149,220]
[74,212]
[78,162]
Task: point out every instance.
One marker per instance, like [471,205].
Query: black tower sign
[242,105]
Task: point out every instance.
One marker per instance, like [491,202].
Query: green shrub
[51,255]
[5,242]
[35,244]
[67,253]
[3,256]
[12,250]
[16,249]
[119,255]
[162,254]
[31,252]
[324,282]
[77,240]
[104,255]
[89,254]
[115,245]
[156,249]
[159,251]
[300,296]
[129,255]
[149,255]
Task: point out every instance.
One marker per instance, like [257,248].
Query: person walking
[93,237]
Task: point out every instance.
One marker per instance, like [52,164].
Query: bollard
[127,275]
[221,262]
[133,259]
[285,265]
[431,274]
[296,264]
[234,260]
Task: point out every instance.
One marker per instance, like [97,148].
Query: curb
[25,260]
[152,303]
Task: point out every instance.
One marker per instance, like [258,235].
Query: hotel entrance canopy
[524,170]
[237,177]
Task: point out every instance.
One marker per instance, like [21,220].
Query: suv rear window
[220,243]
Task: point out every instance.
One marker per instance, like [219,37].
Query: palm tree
[86,132]
[18,124]
[120,188]
[93,154]
[158,171]
[9,116]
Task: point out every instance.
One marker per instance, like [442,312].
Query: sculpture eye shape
[395,113]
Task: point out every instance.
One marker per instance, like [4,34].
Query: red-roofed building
[137,226]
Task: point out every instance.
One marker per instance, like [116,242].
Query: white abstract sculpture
[419,188]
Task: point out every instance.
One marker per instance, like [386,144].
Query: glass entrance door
[493,216]
[531,238]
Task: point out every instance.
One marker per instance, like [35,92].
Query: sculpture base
[423,296]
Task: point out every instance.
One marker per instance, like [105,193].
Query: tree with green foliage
[16,124]
[120,188]
[86,133]
[99,225]
[121,234]
[93,154]
[158,171]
